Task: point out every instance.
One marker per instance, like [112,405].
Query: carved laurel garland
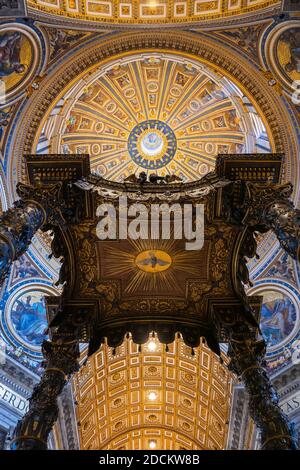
[253,83]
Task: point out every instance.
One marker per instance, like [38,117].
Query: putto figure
[153,178]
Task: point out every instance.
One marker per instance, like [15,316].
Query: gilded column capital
[61,356]
[17,227]
[47,197]
[38,205]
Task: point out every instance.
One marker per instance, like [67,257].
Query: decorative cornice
[59,18]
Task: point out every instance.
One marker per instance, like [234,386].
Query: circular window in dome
[152,144]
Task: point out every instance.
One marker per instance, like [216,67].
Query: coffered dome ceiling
[153,398]
[153,112]
[149,12]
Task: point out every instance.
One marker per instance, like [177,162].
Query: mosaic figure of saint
[292,38]
[10,47]
[29,319]
[23,268]
[277,320]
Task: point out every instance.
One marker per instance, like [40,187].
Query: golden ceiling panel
[153,398]
[155,113]
[150,12]
[152,438]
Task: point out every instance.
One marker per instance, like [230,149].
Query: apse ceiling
[149,12]
[153,112]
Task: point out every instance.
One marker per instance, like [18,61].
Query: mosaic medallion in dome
[20,59]
[282,51]
[24,322]
[279,320]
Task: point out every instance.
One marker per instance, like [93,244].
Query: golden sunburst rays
[150,266]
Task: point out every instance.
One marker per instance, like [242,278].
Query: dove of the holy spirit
[153,261]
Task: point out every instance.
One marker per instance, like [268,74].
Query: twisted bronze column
[17,227]
[32,431]
[38,205]
[247,361]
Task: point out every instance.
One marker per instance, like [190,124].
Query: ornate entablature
[107,278]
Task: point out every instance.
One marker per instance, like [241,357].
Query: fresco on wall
[283,267]
[61,40]
[28,317]
[246,38]
[278,318]
[23,268]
